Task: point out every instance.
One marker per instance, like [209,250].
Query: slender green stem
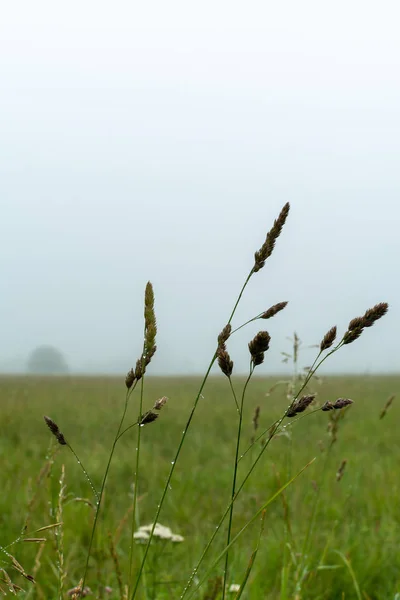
[98,505]
[247,323]
[312,520]
[234,395]
[182,440]
[235,469]
[136,482]
[78,460]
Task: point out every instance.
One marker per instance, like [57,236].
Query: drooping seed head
[258,345]
[130,378]
[266,249]
[148,417]
[273,310]
[342,402]
[224,361]
[328,339]
[55,430]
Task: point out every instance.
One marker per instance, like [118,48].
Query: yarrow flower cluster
[161,532]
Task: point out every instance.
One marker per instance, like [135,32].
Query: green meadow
[325,536]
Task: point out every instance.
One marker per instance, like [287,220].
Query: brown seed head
[328,339]
[375,313]
[327,406]
[273,310]
[148,417]
[355,323]
[342,402]
[224,335]
[160,403]
[149,320]
[258,345]
[224,361]
[130,378]
[55,431]
[266,249]
[300,405]
[352,335]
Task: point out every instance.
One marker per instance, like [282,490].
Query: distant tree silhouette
[46,360]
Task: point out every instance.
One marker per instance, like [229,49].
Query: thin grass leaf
[252,559]
[253,518]
[352,574]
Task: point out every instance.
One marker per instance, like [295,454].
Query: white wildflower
[234,587]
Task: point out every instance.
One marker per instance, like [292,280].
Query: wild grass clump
[141,562]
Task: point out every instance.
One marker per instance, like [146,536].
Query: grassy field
[353,547]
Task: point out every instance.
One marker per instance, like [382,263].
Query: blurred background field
[357,516]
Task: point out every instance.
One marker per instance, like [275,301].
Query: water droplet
[172,462]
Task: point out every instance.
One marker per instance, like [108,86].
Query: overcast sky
[159,140]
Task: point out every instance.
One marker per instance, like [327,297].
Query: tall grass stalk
[235,469]
[103,484]
[181,442]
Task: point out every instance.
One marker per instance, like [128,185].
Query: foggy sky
[159,140]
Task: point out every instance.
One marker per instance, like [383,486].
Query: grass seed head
[355,323]
[375,313]
[55,430]
[273,310]
[342,403]
[130,378]
[224,335]
[148,417]
[160,403]
[224,361]
[300,405]
[327,406]
[258,345]
[328,339]
[352,335]
[150,323]
[266,249]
